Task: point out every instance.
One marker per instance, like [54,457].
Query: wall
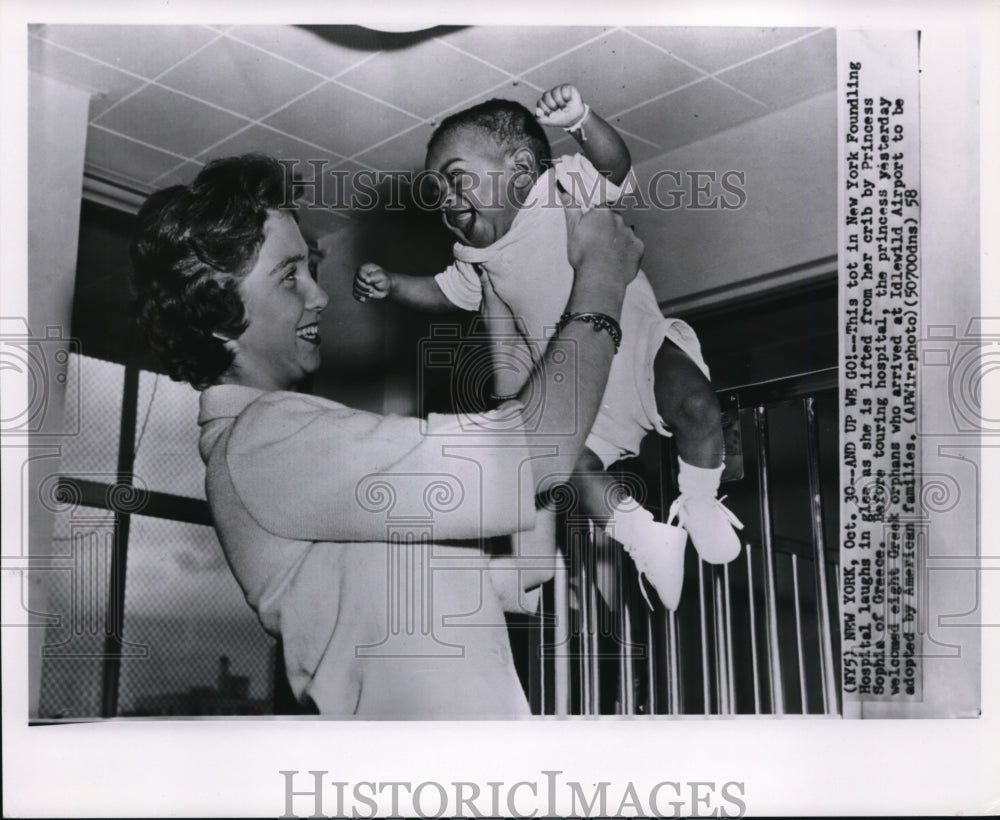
[57,130]
[371,350]
[787,224]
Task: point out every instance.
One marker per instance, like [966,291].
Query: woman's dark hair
[509,124]
[193,244]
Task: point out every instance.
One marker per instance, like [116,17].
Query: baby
[507,202]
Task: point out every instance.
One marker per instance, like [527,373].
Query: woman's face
[281,343]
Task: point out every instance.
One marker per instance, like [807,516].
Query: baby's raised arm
[562,106]
[415,292]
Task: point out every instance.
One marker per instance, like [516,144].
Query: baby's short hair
[193,245]
[509,124]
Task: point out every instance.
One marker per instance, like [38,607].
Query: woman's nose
[317,298]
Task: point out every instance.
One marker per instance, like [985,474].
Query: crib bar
[819,559]
[731,681]
[653,698]
[722,670]
[675,664]
[618,631]
[770,598]
[799,646]
[582,653]
[703,630]
[537,674]
[561,648]
[593,619]
[753,633]
[627,693]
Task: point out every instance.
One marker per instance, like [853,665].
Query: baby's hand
[560,106]
[371,282]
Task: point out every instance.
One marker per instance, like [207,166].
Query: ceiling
[169,98]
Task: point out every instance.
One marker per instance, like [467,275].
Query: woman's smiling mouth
[309,333]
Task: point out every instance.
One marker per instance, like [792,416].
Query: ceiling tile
[319,222]
[264,140]
[640,150]
[349,188]
[239,77]
[168,120]
[403,153]
[145,50]
[791,74]
[689,114]
[713,49]
[112,152]
[303,47]
[616,72]
[340,119]
[108,84]
[511,90]
[518,48]
[181,175]
[400,78]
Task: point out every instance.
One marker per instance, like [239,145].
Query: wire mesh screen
[74,606]
[93,453]
[166,442]
[192,644]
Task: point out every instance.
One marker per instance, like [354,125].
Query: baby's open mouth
[309,333]
[462,220]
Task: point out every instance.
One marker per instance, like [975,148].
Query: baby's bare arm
[415,292]
[600,142]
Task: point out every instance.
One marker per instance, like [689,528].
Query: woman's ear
[524,166]
[230,344]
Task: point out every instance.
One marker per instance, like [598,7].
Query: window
[172,633]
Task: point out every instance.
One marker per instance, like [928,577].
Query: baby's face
[478,201]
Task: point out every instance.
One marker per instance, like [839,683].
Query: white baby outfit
[526,276]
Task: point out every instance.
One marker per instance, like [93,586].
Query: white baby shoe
[657,550]
[709,523]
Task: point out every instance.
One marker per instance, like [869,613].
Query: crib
[758,636]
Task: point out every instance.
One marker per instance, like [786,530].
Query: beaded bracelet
[600,321]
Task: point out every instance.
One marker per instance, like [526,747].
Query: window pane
[166,457]
[93,454]
[193,645]
[75,602]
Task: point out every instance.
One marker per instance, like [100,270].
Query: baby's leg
[598,491]
[689,408]
[655,548]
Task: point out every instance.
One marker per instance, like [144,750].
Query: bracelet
[600,321]
[578,125]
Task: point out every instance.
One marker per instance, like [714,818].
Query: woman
[333,519]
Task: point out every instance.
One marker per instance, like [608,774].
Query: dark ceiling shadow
[368,39]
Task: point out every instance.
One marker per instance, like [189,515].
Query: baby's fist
[371,282]
[560,106]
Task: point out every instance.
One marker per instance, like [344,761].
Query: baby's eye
[431,191]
